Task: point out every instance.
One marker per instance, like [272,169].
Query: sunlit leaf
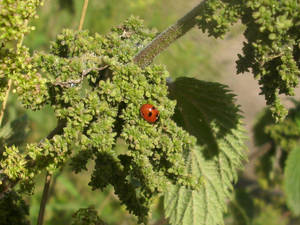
[207,111]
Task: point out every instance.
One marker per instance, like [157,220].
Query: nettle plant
[96,85]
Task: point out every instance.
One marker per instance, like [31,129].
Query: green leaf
[292,181]
[207,111]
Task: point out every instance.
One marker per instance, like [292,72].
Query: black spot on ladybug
[150,114]
[153,107]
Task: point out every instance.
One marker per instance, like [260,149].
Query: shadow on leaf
[206,110]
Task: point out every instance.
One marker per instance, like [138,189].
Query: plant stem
[9,84]
[8,185]
[167,37]
[105,201]
[83,13]
[5,100]
[44,199]
[57,129]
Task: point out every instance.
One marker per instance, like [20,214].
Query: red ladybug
[149,113]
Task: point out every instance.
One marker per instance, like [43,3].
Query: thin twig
[7,184]
[5,100]
[54,180]
[83,13]
[44,199]
[105,201]
[70,83]
[59,128]
[9,84]
[263,150]
[270,58]
[167,37]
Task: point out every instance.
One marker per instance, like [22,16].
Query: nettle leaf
[207,111]
[292,181]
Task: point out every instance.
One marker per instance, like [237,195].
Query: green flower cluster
[217,16]
[271,51]
[14,57]
[286,134]
[96,92]
[87,216]
[14,16]
[281,139]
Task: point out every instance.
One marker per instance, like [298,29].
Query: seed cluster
[96,92]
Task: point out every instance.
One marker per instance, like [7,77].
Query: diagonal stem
[55,131]
[7,184]
[44,199]
[9,84]
[83,13]
[167,37]
[5,100]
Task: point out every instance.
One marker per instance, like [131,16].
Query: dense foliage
[271,50]
[14,56]
[191,155]
[95,92]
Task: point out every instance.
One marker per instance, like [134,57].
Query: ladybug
[149,113]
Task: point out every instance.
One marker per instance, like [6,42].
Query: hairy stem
[167,37]
[44,199]
[83,13]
